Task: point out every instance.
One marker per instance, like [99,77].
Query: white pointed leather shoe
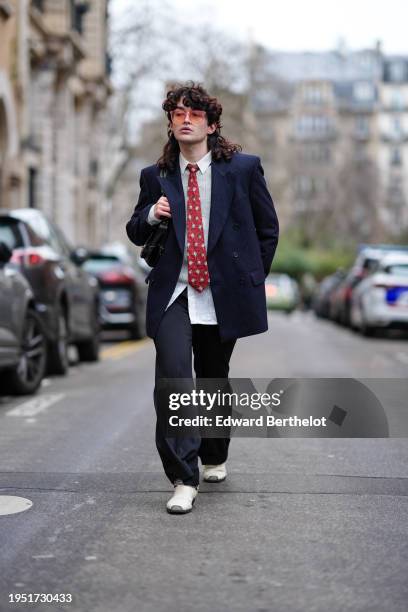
[214,473]
[182,500]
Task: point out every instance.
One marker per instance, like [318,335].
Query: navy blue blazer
[242,239]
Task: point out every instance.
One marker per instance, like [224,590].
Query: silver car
[282,292]
[22,338]
[66,296]
[381,299]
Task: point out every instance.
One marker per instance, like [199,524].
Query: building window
[396,159]
[32,187]
[397,99]
[304,185]
[315,152]
[395,190]
[396,126]
[93,167]
[313,125]
[39,5]
[362,128]
[313,94]
[363,91]
[397,71]
[310,186]
[78,10]
[108,64]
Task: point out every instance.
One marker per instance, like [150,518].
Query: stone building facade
[333,128]
[54,70]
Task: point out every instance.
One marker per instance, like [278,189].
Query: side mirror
[5,253]
[79,255]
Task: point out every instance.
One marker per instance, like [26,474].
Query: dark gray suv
[22,338]
[66,295]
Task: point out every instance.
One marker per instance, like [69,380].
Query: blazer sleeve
[265,217]
[138,227]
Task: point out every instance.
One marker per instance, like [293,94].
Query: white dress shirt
[200,305]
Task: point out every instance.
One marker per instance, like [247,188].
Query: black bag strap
[163,174]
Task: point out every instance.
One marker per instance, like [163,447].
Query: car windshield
[10,234]
[370,264]
[398,269]
[100,263]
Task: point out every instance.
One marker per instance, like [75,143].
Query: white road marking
[36,405]
[10,504]
[43,556]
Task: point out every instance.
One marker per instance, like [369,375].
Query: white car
[381,299]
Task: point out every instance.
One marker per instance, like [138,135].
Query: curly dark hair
[195,96]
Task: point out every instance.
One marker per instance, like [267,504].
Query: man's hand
[162,208]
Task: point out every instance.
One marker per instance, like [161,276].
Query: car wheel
[134,332]
[58,362]
[29,372]
[88,350]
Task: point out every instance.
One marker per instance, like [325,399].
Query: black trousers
[175,341]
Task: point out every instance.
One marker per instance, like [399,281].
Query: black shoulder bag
[154,245]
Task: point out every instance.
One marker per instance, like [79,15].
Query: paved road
[299,525]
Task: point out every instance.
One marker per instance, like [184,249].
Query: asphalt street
[301,524]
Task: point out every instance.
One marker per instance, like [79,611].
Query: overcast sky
[304,24]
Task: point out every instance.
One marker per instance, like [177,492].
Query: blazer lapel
[173,189]
[222,190]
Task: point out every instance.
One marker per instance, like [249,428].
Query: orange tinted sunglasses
[179,115]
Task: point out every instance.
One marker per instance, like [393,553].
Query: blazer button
[242,280]
[234,254]
[235,226]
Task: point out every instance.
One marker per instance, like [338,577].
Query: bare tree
[357,214]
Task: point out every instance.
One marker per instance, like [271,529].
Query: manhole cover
[10,504]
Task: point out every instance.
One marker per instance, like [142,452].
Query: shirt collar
[202,163]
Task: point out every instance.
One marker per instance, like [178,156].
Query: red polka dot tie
[198,276]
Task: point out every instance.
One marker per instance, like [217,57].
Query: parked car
[367,250]
[366,261]
[370,254]
[321,299]
[340,298]
[66,295]
[282,292]
[22,338]
[381,299]
[122,292]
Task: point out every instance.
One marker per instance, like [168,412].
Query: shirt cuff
[151,219]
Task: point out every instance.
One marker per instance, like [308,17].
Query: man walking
[207,288]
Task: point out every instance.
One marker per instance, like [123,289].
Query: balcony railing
[394,137]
